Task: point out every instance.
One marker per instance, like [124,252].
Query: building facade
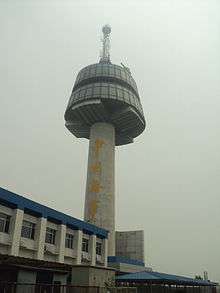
[31,230]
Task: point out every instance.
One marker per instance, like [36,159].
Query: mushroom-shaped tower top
[105,92]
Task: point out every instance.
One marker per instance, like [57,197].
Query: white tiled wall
[57,252]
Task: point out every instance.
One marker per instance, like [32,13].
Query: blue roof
[121,259]
[17,201]
[156,277]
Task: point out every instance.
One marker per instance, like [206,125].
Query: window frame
[98,248]
[105,70]
[96,90]
[50,236]
[104,91]
[85,244]
[29,228]
[69,239]
[112,91]
[5,219]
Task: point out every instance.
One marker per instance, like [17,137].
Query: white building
[33,231]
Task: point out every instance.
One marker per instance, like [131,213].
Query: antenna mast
[105,53]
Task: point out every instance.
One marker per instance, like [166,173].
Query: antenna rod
[105,53]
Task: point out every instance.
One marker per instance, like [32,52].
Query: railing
[57,288]
[47,288]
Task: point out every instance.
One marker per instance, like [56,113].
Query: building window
[83,92]
[111,71]
[92,71]
[69,241]
[50,235]
[118,72]
[98,248]
[28,230]
[104,90]
[89,91]
[85,245]
[120,93]
[98,70]
[96,91]
[4,223]
[123,75]
[105,70]
[112,91]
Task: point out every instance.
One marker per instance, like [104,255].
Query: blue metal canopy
[162,278]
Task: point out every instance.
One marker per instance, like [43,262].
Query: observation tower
[105,108]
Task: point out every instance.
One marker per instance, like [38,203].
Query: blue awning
[162,278]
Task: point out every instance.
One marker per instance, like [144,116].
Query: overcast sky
[168,180]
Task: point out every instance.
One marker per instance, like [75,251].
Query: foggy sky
[167,181]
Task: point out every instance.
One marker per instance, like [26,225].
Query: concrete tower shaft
[100,187]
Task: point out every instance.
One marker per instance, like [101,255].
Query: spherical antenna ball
[106,29]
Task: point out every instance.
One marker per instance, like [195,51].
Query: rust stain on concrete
[96,168]
[93,206]
[98,145]
[95,186]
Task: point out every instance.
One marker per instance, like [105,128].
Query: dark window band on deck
[107,79]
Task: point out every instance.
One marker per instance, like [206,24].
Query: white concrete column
[78,246]
[105,252]
[16,225]
[100,186]
[61,242]
[40,237]
[92,249]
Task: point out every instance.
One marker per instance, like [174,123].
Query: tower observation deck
[105,108]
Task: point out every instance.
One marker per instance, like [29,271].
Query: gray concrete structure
[130,244]
[92,276]
[104,107]
[124,268]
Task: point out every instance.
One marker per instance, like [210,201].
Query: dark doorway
[43,282]
[8,276]
[57,287]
